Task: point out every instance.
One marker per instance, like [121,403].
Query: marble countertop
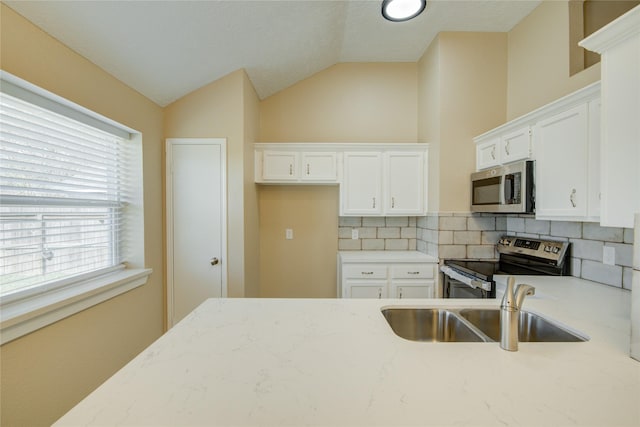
[337,363]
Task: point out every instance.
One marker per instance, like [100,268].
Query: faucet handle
[521,291]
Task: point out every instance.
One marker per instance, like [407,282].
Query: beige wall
[368,102]
[466,74]
[538,60]
[45,373]
[363,102]
[218,110]
[304,267]
[251,213]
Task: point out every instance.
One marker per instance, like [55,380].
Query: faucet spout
[510,313]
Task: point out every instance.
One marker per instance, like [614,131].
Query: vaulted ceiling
[166,49]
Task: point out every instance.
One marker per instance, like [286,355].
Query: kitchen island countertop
[337,362]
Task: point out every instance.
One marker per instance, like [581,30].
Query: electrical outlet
[609,255]
[354,233]
[288,234]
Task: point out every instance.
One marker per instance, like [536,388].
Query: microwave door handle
[502,190]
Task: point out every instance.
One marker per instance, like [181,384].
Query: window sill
[20,317]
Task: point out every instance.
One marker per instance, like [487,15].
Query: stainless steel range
[463,278]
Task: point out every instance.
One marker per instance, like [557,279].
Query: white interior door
[196,224]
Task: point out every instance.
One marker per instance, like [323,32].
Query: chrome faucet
[510,313]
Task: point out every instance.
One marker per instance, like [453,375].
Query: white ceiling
[166,49]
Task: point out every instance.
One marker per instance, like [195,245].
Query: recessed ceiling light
[402,10]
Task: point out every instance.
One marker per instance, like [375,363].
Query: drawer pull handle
[290,169]
[413,272]
[367,272]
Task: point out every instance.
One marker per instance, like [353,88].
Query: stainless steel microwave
[504,189]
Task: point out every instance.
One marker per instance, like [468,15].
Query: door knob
[215,261]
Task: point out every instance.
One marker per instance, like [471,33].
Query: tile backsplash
[467,235]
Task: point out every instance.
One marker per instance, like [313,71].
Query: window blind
[62,197]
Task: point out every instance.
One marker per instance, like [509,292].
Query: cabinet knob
[379,293]
[572,197]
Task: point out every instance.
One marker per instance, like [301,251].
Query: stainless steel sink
[471,325]
[531,327]
[427,324]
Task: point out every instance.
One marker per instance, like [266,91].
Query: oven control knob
[556,249]
[547,248]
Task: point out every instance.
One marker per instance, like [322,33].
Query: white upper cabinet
[619,46]
[562,163]
[295,164]
[280,166]
[361,191]
[384,183]
[504,146]
[319,167]
[516,145]
[405,183]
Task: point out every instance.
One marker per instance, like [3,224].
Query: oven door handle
[448,271]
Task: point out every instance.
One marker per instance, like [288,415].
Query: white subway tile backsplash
[423,222]
[367,232]
[349,245]
[576,266]
[481,223]
[452,251]
[587,249]
[534,226]
[467,237]
[372,244]
[397,221]
[433,222]
[566,229]
[593,231]
[481,251]
[445,237]
[627,278]
[389,233]
[598,272]
[628,235]
[515,224]
[491,237]
[408,233]
[396,244]
[453,223]
[624,254]
[501,222]
[349,221]
[344,232]
[373,221]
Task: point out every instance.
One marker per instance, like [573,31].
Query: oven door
[457,285]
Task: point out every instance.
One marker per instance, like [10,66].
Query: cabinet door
[279,166]
[361,192]
[404,178]
[319,167]
[412,290]
[365,289]
[561,165]
[488,154]
[516,145]
[593,209]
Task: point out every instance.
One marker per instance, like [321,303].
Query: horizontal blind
[62,193]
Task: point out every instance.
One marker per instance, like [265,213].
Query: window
[67,189]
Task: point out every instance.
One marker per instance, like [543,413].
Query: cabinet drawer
[365,271]
[412,271]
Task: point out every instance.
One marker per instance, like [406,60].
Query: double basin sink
[471,325]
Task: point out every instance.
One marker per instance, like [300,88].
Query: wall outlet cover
[288,234]
[354,233]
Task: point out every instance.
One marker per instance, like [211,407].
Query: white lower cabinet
[386,274]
